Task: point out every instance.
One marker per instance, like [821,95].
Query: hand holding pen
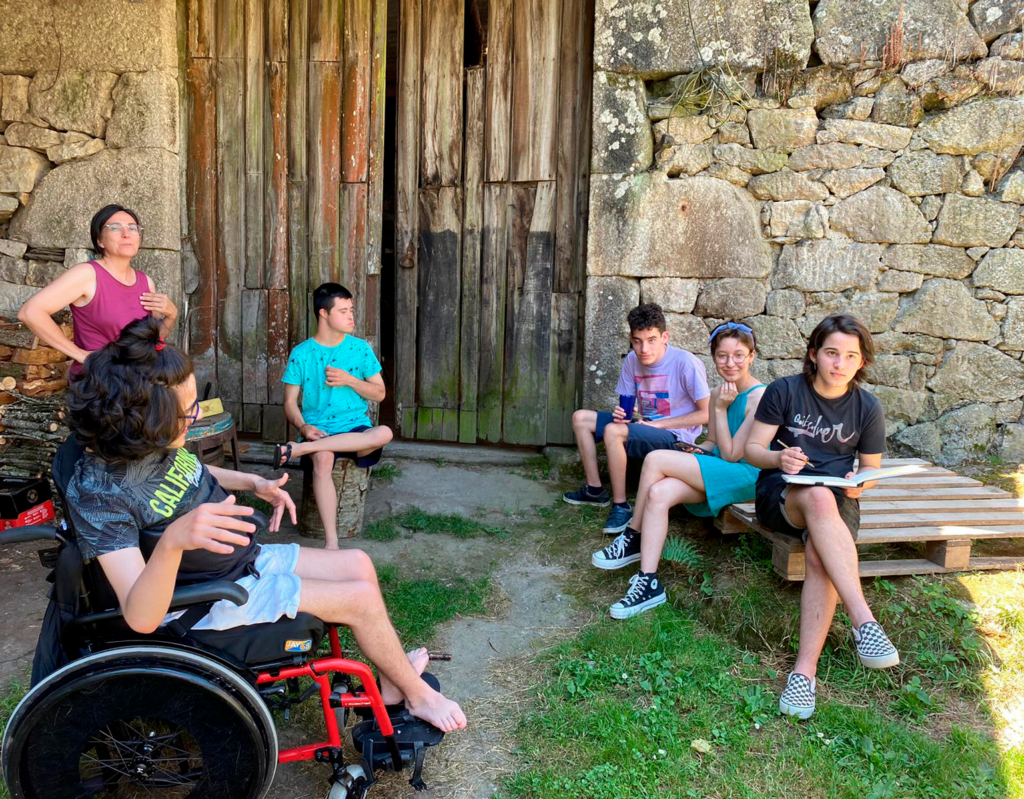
[793,458]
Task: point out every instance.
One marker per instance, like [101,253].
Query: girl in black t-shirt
[823,419]
[131,410]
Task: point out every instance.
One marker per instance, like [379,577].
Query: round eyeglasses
[735,358]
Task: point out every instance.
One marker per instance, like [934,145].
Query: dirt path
[527,609]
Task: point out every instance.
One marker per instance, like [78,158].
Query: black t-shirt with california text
[117,505]
[829,431]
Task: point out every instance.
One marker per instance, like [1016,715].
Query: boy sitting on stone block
[670,388]
[336,374]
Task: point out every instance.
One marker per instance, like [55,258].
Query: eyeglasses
[723,357]
[116,228]
[193,412]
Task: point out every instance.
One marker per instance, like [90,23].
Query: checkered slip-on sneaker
[874,648]
[625,549]
[798,698]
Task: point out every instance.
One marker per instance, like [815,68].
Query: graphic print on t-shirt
[652,392]
[813,427]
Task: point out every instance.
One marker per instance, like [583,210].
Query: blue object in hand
[626,402]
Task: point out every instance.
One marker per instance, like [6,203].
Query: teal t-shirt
[334,409]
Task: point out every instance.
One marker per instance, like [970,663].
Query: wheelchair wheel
[141,722]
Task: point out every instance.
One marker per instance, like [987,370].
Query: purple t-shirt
[670,387]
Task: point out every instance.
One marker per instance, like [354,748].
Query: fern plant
[683,552]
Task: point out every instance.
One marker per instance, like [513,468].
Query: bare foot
[437,709]
[419,658]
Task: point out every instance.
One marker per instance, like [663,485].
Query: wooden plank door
[490,220]
[285,135]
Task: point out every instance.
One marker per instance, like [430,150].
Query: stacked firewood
[33,381]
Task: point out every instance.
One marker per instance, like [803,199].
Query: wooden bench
[938,508]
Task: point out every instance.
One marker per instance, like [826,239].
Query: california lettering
[184,471]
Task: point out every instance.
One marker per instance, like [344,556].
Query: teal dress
[724,482]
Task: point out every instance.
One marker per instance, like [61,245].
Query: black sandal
[279,451]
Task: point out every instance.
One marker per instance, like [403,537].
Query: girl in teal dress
[704,478]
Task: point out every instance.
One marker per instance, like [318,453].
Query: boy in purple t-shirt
[671,390]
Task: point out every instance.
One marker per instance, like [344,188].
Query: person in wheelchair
[136,484]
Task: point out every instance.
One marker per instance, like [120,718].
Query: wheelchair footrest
[411,734]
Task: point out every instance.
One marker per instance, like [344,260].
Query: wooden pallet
[937,507]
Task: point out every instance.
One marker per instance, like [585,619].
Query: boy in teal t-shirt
[336,374]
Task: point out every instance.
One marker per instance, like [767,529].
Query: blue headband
[729,326]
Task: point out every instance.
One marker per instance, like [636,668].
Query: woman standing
[104,294]
[704,478]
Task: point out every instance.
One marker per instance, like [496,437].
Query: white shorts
[275,593]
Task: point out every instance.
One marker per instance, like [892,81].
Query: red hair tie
[159,345]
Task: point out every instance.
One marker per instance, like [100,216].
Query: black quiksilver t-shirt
[121,505]
[829,431]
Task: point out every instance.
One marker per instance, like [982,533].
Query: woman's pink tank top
[112,307]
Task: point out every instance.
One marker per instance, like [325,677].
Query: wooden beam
[350,265]
[407,151]
[439,266]
[562,376]
[298,254]
[276,27]
[202,28]
[275,173]
[498,123]
[472,231]
[254,346]
[568,153]
[493,278]
[255,116]
[375,162]
[230,275]
[200,199]
[441,109]
[528,326]
[357,33]
[534,89]
[230,33]
[324,168]
[325,21]
[278,345]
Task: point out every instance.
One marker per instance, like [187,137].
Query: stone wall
[777,161]
[86,120]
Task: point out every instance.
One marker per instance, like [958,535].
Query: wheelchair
[185,713]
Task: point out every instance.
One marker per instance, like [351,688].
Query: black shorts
[770,501]
[362,461]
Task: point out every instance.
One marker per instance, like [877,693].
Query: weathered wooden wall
[284,183]
[490,220]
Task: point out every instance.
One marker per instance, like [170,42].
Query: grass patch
[381,530]
[660,707]
[385,472]
[453,524]
[418,607]
[682,701]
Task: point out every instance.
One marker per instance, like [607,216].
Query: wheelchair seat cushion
[256,644]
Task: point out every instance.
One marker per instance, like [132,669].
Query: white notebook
[857,480]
